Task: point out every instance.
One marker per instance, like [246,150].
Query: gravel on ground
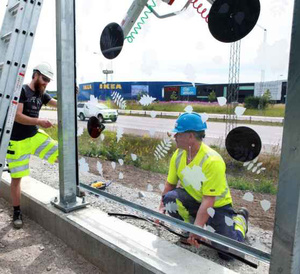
[142,187]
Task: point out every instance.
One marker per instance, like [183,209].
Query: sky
[178,48]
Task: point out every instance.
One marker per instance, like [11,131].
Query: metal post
[106,72]
[65,44]
[263,68]
[286,239]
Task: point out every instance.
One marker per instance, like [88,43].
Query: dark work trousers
[217,222]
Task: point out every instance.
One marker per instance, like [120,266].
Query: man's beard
[39,88]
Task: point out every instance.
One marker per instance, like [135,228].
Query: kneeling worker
[203,187]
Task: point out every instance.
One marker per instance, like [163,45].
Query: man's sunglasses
[45,79]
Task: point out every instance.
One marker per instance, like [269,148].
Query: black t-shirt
[32,104]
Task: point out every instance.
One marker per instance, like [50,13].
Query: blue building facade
[128,90]
[167,91]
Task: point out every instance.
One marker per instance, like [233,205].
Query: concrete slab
[109,243]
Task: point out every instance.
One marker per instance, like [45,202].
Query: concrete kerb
[109,243]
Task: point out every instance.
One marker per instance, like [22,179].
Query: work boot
[17,219]
[245,213]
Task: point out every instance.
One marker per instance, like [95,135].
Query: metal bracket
[217,238]
[80,203]
[170,14]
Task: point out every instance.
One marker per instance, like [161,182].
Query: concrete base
[112,245]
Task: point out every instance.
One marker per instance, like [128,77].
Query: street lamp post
[262,73]
[106,72]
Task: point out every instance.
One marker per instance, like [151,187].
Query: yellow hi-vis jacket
[204,175]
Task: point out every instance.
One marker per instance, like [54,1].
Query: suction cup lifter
[111,41]
[231,20]
[228,21]
[243,144]
[172,13]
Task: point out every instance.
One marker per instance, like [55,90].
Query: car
[101,111]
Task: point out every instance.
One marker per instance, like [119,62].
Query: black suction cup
[94,127]
[231,20]
[112,40]
[243,144]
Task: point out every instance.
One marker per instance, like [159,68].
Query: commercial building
[182,91]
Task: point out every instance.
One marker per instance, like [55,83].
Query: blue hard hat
[189,122]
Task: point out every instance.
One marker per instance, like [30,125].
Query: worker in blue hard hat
[196,189]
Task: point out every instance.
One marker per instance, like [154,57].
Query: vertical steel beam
[285,257]
[67,123]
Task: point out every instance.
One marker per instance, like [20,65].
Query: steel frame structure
[233,86]
[286,240]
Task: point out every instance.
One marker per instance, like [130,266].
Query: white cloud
[149,62]
[275,56]
[190,73]
[278,7]
[218,60]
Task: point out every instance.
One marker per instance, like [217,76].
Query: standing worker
[27,138]
[203,196]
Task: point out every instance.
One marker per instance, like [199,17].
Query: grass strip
[238,175]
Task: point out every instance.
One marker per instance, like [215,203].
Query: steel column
[65,46]
[286,239]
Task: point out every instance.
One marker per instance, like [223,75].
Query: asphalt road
[271,136]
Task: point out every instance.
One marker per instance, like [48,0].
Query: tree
[252,102]
[212,96]
[256,102]
[267,95]
[265,100]
[174,96]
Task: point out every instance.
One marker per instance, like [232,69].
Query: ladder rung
[6,37]
[14,8]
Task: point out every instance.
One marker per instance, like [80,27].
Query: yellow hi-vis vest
[204,175]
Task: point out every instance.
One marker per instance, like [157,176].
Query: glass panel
[168,67]
[161,72]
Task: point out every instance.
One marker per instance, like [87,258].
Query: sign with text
[187,90]
[110,86]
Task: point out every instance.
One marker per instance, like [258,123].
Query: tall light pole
[106,72]
[262,73]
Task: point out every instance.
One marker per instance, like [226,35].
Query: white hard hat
[45,69]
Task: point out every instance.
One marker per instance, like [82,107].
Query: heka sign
[110,86]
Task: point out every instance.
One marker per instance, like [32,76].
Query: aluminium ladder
[16,39]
